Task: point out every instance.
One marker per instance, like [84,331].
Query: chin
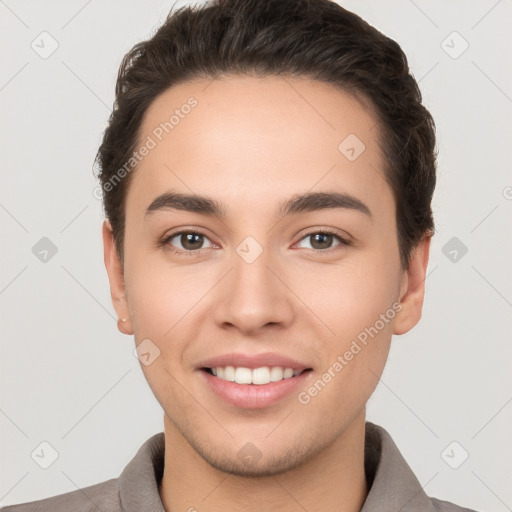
[252,462]
[261,468]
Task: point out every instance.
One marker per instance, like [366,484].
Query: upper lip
[253,361]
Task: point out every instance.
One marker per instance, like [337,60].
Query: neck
[332,480]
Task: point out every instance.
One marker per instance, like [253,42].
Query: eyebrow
[299,203]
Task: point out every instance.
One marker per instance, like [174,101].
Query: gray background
[70,378]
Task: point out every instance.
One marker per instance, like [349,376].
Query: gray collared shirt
[393,486]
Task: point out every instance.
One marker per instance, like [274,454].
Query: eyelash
[165,242]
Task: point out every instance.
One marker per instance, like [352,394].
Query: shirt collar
[393,485]
[139,481]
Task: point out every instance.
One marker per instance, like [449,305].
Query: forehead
[257,138]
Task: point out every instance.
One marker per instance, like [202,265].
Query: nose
[254,295]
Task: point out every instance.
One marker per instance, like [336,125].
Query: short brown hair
[315,39]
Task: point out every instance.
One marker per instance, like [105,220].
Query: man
[267,172]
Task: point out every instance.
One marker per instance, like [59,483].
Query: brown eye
[323,240]
[191,241]
[186,241]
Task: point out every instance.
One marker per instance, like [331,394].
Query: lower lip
[253,396]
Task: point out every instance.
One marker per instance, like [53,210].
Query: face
[263,280]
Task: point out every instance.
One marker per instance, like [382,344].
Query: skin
[252,143]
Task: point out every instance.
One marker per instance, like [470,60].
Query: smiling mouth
[257,376]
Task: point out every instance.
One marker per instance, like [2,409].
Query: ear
[116,279]
[412,290]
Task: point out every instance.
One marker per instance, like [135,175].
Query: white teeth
[288,372]
[276,374]
[243,375]
[229,373]
[259,376]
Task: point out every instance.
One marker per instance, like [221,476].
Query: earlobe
[124,326]
[413,291]
[116,279]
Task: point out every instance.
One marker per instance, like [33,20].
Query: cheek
[344,386]
[162,303]
[353,359]
[356,304]
[352,295]
[153,299]
[170,306]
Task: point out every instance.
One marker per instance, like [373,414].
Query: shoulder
[446,506]
[136,488]
[393,485]
[103,496]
